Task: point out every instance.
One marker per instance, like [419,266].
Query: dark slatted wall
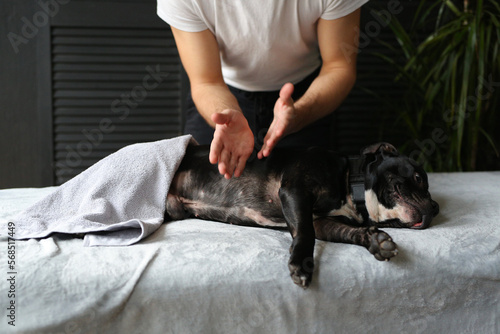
[362,119]
[111,87]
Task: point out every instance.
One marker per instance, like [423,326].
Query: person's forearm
[211,98]
[325,94]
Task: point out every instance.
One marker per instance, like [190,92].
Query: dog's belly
[243,201]
[239,215]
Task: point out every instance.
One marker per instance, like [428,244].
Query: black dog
[312,192]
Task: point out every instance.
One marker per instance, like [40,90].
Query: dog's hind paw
[381,245]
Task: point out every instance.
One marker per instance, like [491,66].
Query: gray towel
[118,201]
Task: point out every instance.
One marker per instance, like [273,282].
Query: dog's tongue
[425,222]
[418,225]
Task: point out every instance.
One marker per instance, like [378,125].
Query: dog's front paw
[381,245]
[301,273]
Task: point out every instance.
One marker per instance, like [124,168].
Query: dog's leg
[174,209]
[335,229]
[297,210]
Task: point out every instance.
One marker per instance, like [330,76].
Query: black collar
[356,179]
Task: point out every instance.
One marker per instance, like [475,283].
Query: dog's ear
[371,153]
[385,149]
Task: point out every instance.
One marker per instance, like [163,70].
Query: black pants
[258,108]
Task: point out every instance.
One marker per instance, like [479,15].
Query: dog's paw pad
[300,276]
[382,246]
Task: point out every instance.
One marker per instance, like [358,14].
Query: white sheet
[196,276]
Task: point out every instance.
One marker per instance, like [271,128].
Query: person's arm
[233,140]
[328,90]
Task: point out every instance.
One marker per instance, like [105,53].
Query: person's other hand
[284,121]
[232,144]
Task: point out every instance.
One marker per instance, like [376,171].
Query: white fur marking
[347,210]
[258,218]
[379,213]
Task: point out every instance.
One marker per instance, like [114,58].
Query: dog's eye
[418,178]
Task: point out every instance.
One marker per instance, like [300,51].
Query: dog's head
[396,189]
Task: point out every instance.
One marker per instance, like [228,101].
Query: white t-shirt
[263,43]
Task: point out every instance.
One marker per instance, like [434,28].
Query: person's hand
[232,144]
[284,121]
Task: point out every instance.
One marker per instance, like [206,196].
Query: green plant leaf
[453,8]
[495,4]
[490,140]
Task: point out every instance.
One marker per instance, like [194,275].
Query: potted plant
[451,76]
